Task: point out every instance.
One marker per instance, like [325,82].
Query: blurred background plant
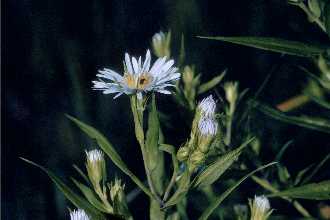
[61,52]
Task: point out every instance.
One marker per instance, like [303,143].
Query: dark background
[51,50]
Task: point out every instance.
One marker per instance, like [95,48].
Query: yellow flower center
[140,82]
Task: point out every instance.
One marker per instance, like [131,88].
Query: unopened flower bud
[207,107]
[118,198]
[197,158]
[260,208]
[183,153]
[207,130]
[161,44]
[78,214]
[231,90]
[188,76]
[117,190]
[95,165]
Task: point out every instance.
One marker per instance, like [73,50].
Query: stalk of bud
[260,208]
[161,44]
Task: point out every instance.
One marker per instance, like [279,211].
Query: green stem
[137,110]
[229,124]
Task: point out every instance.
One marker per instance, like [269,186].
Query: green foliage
[319,124]
[110,151]
[327,17]
[211,84]
[91,197]
[75,199]
[275,45]
[218,167]
[313,191]
[207,213]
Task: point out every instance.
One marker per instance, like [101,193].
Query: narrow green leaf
[75,199]
[217,168]
[316,169]
[314,7]
[274,44]
[110,151]
[155,157]
[327,17]
[301,174]
[211,84]
[307,122]
[209,210]
[81,173]
[321,102]
[312,191]
[91,197]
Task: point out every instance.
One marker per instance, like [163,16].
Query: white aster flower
[79,214]
[139,77]
[207,126]
[207,106]
[260,208]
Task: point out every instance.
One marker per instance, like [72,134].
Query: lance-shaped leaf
[91,197]
[217,168]
[110,151]
[327,17]
[75,199]
[275,45]
[209,210]
[307,122]
[211,84]
[313,191]
[155,157]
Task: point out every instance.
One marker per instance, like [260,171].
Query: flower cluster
[203,133]
[139,77]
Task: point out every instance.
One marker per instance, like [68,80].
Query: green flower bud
[183,153]
[231,90]
[95,166]
[207,130]
[118,198]
[197,158]
[188,76]
[161,44]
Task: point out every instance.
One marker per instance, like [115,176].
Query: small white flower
[207,126]
[260,208]
[95,165]
[94,156]
[207,106]
[138,77]
[262,203]
[79,214]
